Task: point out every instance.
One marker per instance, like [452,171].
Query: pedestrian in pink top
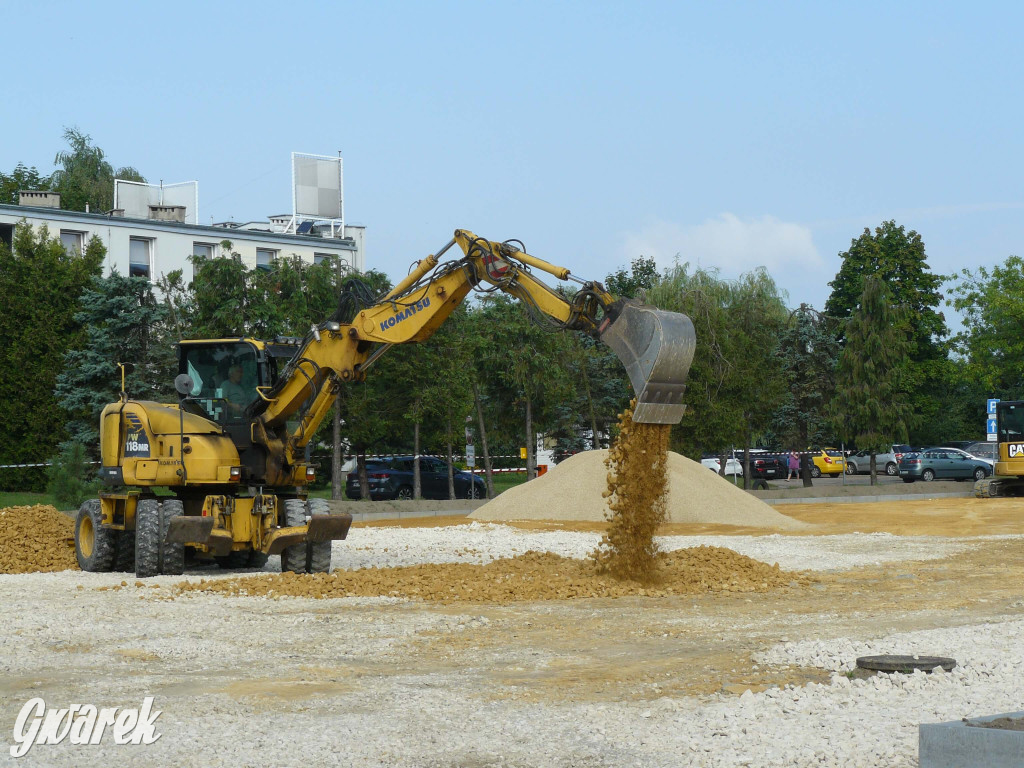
[794,466]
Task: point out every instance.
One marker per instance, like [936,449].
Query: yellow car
[827,461]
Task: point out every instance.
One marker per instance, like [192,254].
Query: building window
[203,250]
[320,258]
[140,252]
[7,235]
[72,241]
[265,258]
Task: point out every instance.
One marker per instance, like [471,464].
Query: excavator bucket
[657,348]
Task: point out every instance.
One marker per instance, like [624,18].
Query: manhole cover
[906,664]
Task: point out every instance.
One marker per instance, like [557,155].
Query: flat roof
[202,230]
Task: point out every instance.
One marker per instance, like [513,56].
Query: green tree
[898,258]
[41,284]
[808,355]
[872,406]
[526,374]
[642,276]
[735,384]
[22,178]
[991,302]
[71,480]
[124,323]
[444,374]
[84,177]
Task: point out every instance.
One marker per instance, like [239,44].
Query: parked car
[392,478]
[768,467]
[984,450]
[942,464]
[888,462]
[732,466]
[827,461]
[960,445]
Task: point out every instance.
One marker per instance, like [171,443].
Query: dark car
[392,478]
[942,464]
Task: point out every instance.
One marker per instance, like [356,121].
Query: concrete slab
[959,745]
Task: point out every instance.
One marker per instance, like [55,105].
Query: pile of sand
[37,538]
[529,577]
[573,490]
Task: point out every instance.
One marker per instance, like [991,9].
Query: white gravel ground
[232,676]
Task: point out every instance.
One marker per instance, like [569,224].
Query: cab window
[224,378]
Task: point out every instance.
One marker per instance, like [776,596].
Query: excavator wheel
[172,556]
[153,555]
[318,555]
[256,560]
[95,546]
[124,557]
[293,558]
[242,558]
[237,558]
[147,538]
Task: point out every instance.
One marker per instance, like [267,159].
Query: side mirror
[183,384]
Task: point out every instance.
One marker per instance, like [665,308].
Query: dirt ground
[436,679]
[635,645]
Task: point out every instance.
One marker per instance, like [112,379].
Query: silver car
[889,462]
[989,451]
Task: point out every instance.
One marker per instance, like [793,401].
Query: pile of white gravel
[483,542]
[210,661]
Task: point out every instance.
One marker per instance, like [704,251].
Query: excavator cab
[225,375]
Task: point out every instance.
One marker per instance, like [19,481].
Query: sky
[727,135]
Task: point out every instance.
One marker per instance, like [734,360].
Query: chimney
[167,212]
[39,199]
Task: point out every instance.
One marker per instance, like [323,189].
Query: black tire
[891,469]
[147,538]
[172,556]
[236,558]
[242,558]
[473,493]
[95,546]
[928,475]
[318,556]
[851,469]
[293,558]
[124,557]
[980,474]
[815,472]
[404,493]
[257,560]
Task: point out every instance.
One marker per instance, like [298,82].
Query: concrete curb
[862,499]
[955,744]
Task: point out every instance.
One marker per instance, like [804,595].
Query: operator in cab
[235,394]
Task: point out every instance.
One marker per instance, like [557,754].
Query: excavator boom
[655,346]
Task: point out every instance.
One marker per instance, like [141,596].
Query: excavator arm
[656,347]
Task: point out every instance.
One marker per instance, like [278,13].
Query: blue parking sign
[990,426]
[992,406]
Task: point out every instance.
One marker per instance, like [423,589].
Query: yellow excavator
[229,457]
[1007,478]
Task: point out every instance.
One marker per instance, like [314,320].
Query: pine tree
[872,405]
[898,258]
[41,284]
[124,323]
